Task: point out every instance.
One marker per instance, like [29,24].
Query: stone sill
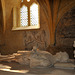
[26,28]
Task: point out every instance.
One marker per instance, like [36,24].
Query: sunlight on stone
[8,68]
[17,71]
[28,0]
[4,66]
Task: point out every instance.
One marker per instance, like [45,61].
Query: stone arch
[65,32]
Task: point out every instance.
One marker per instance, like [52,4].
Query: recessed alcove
[65,32]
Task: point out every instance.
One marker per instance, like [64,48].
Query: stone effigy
[41,59]
[38,59]
[35,58]
[24,57]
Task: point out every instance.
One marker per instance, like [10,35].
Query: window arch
[29,15]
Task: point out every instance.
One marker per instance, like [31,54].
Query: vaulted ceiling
[54,10]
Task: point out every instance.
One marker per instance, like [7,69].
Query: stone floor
[14,68]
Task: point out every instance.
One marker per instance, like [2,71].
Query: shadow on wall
[65,33]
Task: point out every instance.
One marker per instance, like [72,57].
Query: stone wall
[21,40]
[39,37]
[35,38]
[65,32]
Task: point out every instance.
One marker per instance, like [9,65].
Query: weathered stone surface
[65,32]
[24,58]
[41,59]
[61,57]
[64,65]
[36,38]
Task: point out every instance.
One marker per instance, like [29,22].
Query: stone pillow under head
[64,65]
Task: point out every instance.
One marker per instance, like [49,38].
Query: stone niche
[65,32]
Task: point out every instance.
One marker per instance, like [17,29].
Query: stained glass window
[24,16]
[34,17]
